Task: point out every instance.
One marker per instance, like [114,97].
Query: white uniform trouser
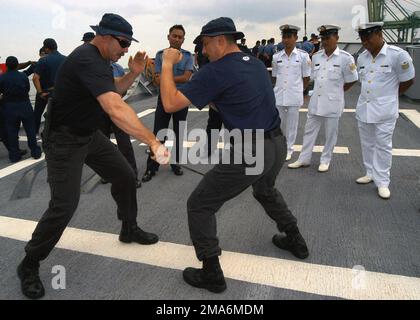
[376,141]
[312,127]
[289,125]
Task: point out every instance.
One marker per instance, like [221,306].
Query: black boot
[132,233]
[210,277]
[148,175]
[177,170]
[30,282]
[293,242]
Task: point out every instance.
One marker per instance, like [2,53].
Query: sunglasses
[123,43]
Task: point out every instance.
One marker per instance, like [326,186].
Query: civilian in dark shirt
[85,86]
[14,86]
[238,85]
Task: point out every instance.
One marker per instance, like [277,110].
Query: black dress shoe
[293,243]
[30,282]
[177,171]
[135,234]
[148,175]
[213,281]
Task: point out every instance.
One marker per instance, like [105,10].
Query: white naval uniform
[327,101]
[290,71]
[378,107]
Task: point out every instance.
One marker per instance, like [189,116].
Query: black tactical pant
[214,122]
[123,141]
[40,105]
[162,119]
[227,181]
[66,153]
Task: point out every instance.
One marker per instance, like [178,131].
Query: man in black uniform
[85,86]
[238,85]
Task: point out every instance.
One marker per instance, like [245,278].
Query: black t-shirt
[84,76]
[240,87]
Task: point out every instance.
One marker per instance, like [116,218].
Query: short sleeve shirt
[186,64]
[84,76]
[380,78]
[47,68]
[14,86]
[330,73]
[290,71]
[240,87]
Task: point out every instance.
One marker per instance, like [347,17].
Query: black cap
[12,63]
[113,24]
[218,27]
[88,37]
[50,44]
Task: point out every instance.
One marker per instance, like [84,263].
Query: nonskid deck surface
[361,246]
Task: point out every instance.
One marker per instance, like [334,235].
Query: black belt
[75,131]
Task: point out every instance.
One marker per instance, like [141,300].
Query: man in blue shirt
[239,87]
[16,108]
[183,71]
[44,77]
[269,51]
[307,46]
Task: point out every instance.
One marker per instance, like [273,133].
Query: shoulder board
[363,53]
[345,52]
[395,48]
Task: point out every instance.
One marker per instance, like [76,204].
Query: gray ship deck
[345,225]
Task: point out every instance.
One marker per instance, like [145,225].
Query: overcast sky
[25,23]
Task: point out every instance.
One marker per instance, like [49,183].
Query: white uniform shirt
[380,78]
[330,75]
[290,71]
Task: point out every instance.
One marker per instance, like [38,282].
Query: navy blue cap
[113,24]
[88,36]
[217,27]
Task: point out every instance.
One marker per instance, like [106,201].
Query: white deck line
[291,275]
